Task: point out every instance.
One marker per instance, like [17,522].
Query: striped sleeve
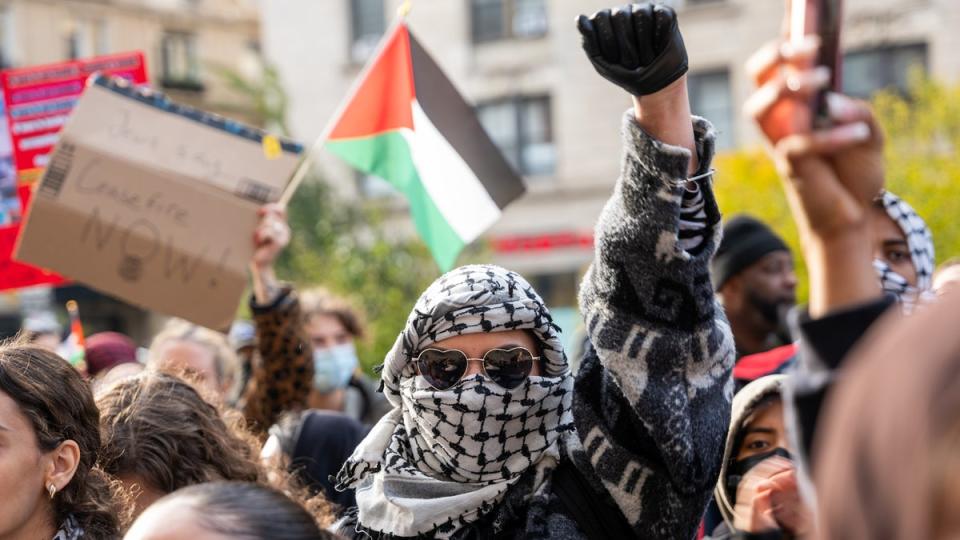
[693,218]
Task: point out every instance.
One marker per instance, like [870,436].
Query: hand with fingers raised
[271,235]
[831,175]
[638,47]
[836,171]
[270,238]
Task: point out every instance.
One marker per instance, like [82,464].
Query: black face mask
[738,469]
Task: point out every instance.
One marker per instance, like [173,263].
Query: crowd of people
[706,404]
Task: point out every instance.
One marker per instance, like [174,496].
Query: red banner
[37,102]
[14,275]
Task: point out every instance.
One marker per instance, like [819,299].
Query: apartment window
[557,289]
[522,129]
[493,20]
[180,63]
[867,71]
[85,38]
[7,38]
[710,97]
[368,22]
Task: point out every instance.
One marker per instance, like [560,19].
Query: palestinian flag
[407,124]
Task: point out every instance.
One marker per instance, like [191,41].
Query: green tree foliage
[923,167]
[923,156]
[343,247]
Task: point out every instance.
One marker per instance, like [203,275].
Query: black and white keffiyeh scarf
[920,244]
[69,530]
[442,459]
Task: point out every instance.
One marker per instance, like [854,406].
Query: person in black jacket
[313,445]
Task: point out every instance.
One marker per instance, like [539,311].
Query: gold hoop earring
[52,489]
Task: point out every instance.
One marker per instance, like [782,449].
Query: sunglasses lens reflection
[508,368]
[442,369]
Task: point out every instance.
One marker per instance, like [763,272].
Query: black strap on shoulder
[365,397]
[598,519]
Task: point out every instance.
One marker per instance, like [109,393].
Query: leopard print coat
[282,370]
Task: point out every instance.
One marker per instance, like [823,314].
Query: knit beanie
[107,350]
[745,241]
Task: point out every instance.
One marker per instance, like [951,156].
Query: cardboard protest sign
[37,102]
[154,202]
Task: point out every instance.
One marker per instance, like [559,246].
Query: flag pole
[404,9]
[301,172]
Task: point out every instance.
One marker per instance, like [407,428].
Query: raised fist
[638,47]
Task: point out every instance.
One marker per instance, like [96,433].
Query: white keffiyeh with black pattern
[442,459]
[920,244]
[69,530]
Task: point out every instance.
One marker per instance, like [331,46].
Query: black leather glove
[638,47]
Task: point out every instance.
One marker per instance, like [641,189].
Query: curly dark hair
[159,428]
[59,406]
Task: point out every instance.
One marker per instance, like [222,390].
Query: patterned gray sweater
[652,400]
[652,397]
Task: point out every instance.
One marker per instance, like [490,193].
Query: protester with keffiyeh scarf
[850,228]
[631,446]
[903,251]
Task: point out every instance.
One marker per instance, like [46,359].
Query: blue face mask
[333,367]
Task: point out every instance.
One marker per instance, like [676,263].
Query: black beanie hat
[745,241]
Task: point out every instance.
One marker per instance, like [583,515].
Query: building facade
[521,63]
[187,44]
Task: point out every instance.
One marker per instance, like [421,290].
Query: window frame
[86,38]
[886,51]
[695,89]
[192,80]
[508,11]
[354,35]
[8,38]
[519,104]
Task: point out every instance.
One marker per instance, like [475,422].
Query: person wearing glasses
[491,435]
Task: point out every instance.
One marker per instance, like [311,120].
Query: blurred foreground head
[888,463]
[947,276]
[227,510]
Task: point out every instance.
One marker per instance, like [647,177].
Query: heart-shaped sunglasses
[443,368]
